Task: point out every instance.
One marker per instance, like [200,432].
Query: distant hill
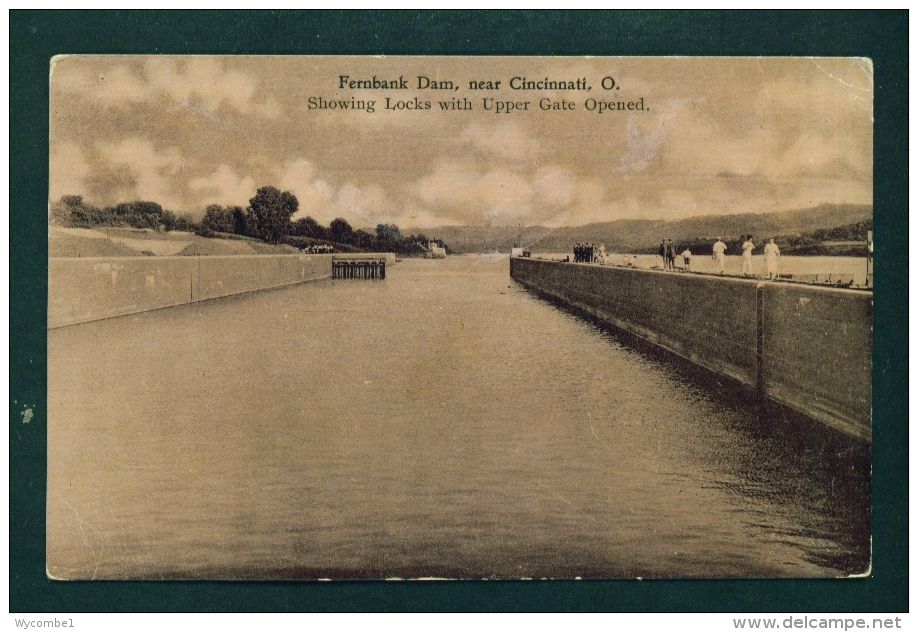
[849,240]
[632,235]
[486,238]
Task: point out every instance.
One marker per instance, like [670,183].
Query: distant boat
[435,251]
[517,249]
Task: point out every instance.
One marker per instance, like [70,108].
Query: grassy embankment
[131,242]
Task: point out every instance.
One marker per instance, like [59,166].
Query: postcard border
[36,36]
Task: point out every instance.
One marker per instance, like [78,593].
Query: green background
[37,36]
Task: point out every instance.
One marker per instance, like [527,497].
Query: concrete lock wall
[806,347]
[818,347]
[236,275]
[86,289]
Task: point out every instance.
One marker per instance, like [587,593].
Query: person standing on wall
[687,259]
[718,251]
[771,258]
[748,247]
[663,252]
[670,255]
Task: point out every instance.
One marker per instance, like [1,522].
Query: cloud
[200,84]
[116,85]
[68,171]
[504,139]
[496,196]
[204,81]
[370,203]
[554,186]
[415,216]
[361,205]
[315,194]
[643,147]
[818,155]
[151,173]
[225,187]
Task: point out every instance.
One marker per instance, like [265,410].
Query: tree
[67,210]
[168,220]
[272,210]
[73,210]
[147,209]
[363,240]
[139,214]
[217,219]
[184,222]
[340,230]
[389,231]
[308,227]
[242,222]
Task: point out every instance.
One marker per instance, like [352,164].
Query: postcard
[370,317]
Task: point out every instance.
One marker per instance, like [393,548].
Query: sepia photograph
[456,317]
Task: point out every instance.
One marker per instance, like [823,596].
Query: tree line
[72,210]
[268,217]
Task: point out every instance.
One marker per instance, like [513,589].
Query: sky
[704,136]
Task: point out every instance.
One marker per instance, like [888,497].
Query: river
[443,422]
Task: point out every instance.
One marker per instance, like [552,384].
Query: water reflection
[443,422]
[813,482]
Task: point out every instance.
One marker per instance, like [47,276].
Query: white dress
[747,257]
[719,248]
[771,259]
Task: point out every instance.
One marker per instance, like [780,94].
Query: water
[443,422]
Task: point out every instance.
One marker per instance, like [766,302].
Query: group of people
[669,252]
[587,253]
[771,252]
[317,249]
